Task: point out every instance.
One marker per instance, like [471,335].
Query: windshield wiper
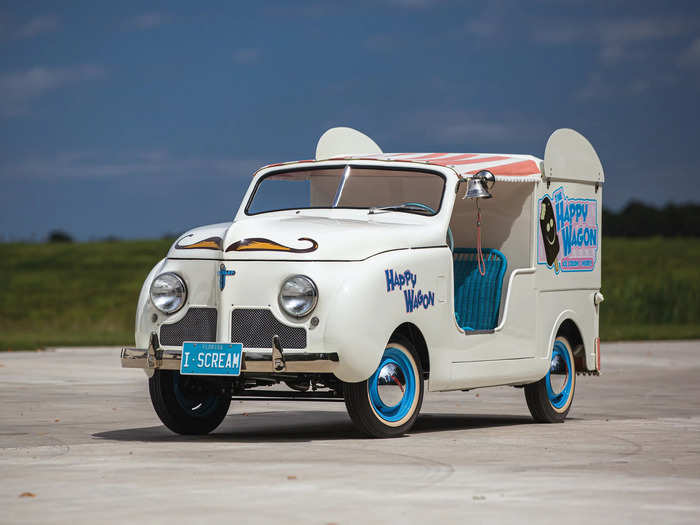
[406,208]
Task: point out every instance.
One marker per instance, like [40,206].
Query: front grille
[254,328]
[199,324]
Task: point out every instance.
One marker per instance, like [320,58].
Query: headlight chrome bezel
[183,295]
[313,297]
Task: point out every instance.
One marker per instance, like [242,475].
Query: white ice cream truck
[368,277]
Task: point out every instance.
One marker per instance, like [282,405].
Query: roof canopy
[347,143]
[568,156]
[508,168]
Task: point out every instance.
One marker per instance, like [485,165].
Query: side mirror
[479,185]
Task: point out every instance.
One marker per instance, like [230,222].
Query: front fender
[358,325]
[365,312]
[143,332]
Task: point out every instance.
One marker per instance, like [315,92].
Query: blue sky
[140,119]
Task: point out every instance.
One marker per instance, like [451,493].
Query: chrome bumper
[152,358]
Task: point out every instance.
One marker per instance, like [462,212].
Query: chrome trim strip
[252,361]
[341,186]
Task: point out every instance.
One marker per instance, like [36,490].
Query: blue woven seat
[478,297]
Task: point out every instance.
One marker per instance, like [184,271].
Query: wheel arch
[566,326]
[411,332]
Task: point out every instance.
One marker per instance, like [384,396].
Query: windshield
[377,189]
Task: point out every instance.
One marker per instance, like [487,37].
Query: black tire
[366,407]
[547,405]
[186,404]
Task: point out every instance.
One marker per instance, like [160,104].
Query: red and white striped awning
[507,168]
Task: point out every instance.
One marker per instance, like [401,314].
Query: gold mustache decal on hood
[257,244]
[210,243]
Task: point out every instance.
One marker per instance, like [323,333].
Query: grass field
[72,294]
[651,288]
[85,293]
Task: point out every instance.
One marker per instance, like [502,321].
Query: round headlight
[298,296]
[168,292]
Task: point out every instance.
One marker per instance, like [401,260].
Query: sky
[141,119]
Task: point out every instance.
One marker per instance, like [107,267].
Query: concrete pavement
[80,443]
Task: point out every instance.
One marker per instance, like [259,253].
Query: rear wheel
[387,404]
[188,404]
[549,400]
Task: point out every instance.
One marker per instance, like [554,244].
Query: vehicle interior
[505,237]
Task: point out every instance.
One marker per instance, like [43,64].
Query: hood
[295,237]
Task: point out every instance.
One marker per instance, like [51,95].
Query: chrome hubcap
[391,384]
[558,374]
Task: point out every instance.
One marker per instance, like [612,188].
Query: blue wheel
[549,400]
[387,404]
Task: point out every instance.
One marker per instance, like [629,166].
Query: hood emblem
[258,244]
[223,273]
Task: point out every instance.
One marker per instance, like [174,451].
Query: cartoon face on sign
[548,227]
[568,239]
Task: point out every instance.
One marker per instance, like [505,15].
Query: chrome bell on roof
[479,185]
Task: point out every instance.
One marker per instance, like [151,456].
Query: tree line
[637,219]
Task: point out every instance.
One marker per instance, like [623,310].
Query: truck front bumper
[153,358]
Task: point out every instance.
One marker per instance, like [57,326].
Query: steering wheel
[450,238]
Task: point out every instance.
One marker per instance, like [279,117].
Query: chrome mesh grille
[199,324]
[254,328]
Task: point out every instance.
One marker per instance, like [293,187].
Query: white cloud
[381,42]
[491,22]
[642,29]
[691,56]
[447,126]
[19,89]
[623,40]
[619,39]
[600,85]
[311,10]
[414,4]
[614,53]
[38,25]
[154,163]
[35,26]
[559,31]
[246,55]
[147,20]
[471,130]
[613,32]
[595,87]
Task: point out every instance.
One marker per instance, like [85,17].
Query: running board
[272,395]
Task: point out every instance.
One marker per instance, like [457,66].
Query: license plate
[211,359]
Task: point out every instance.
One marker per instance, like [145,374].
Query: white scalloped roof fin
[569,156]
[342,142]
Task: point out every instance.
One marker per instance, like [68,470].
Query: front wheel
[387,404]
[549,400]
[188,404]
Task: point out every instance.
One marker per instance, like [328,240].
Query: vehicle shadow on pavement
[294,426]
